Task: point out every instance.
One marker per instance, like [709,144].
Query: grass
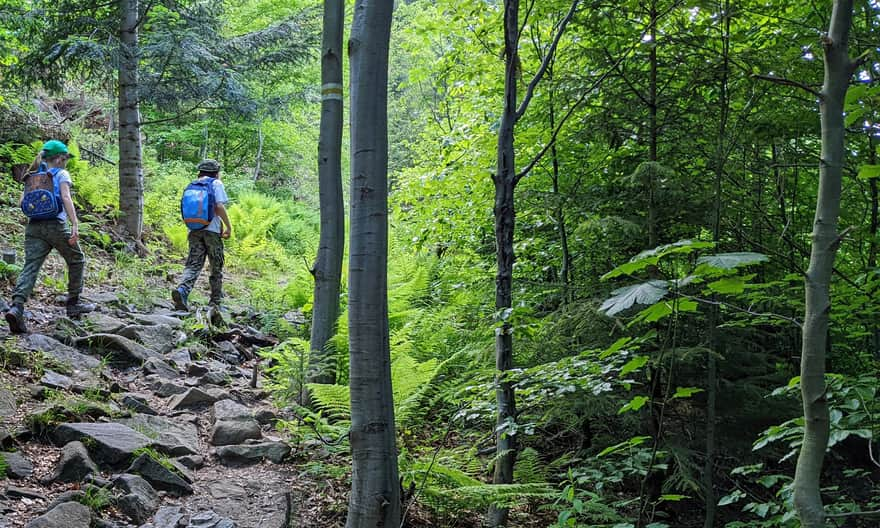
[161,459]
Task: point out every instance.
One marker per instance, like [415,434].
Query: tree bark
[328,262]
[375,490]
[825,240]
[131,176]
[505,226]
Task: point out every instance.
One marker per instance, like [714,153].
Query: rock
[160,338]
[169,517]
[81,368]
[191,461]
[124,351]
[74,464]
[170,436]
[251,453]
[17,466]
[196,369]
[191,398]
[158,319]
[14,492]
[214,378]
[166,388]
[209,519]
[7,403]
[233,424]
[101,323]
[180,358]
[67,496]
[228,353]
[265,416]
[140,501]
[102,298]
[67,515]
[54,380]
[159,476]
[137,403]
[110,443]
[160,368]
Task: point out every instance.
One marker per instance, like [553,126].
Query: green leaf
[654,313]
[615,347]
[623,298]
[634,404]
[651,257]
[867,172]
[734,496]
[673,498]
[633,364]
[728,285]
[727,261]
[686,392]
[632,442]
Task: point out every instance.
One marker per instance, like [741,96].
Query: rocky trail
[131,419]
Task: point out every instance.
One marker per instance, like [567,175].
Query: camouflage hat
[208,165]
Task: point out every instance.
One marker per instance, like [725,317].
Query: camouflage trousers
[204,244]
[40,237]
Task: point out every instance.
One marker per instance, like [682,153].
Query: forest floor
[148,416]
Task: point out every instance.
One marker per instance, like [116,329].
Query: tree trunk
[505,226]
[259,161]
[328,262]
[375,490]
[559,206]
[131,176]
[653,236]
[838,70]
[716,338]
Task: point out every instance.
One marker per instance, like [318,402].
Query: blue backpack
[197,204]
[42,196]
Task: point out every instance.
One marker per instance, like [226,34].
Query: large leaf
[866,172]
[728,261]
[644,293]
[650,257]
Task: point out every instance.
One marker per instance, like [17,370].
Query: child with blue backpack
[52,224]
[203,208]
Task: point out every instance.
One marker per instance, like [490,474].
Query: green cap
[53,147]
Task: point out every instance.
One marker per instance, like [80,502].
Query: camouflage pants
[204,244]
[39,239]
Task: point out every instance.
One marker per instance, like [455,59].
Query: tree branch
[551,53]
[788,82]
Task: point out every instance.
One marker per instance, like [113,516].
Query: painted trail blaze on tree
[826,239]
[375,490]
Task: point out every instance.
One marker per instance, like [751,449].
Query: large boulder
[82,369]
[176,437]
[112,444]
[124,351]
[67,515]
[191,398]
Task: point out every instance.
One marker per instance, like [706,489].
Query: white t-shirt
[63,178]
[219,198]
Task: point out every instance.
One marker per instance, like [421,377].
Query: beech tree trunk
[825,240]
[375,490]
[131,176]
[328,262]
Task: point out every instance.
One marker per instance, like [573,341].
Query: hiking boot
[179,295]
[75,307]
[16,320]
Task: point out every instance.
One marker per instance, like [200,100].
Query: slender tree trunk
[375,490]
[259,161]
[328,263]
[505,226]
[838,70]
[653,237]
[559,209]
[131,176]
[716,338]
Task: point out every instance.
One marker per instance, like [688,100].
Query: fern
[530,468]
[332,400]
